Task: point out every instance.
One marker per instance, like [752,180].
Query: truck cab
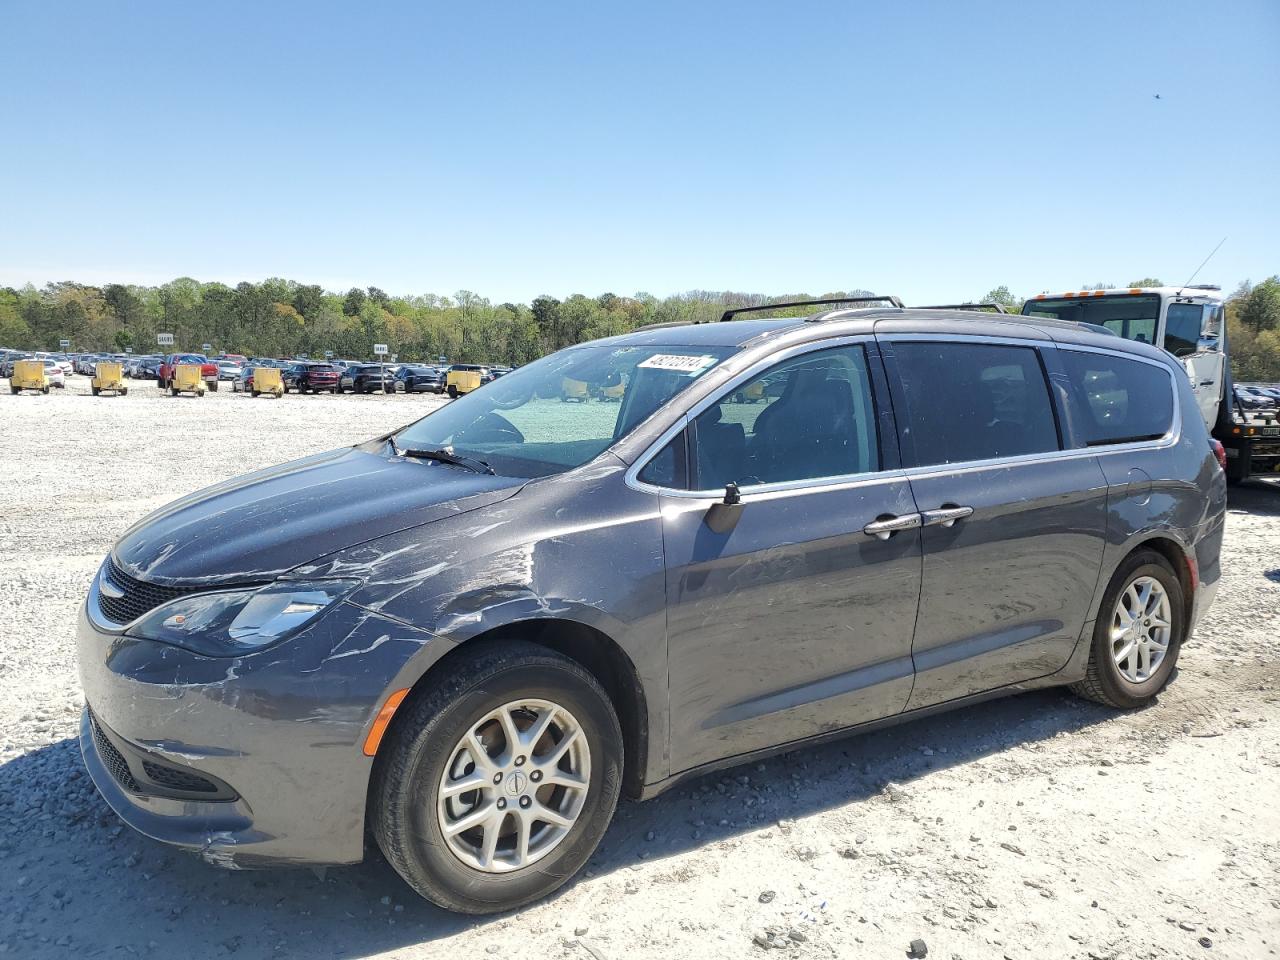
[1190,323]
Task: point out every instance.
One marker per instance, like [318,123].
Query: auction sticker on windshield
[677,362]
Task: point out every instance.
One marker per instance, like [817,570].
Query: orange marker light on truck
[382,720]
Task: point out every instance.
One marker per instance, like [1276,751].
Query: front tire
[557,754]
[1137,635]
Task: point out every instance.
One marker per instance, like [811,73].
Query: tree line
[282,318]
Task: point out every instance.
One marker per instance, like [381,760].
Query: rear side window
[973,401]
[1116,399]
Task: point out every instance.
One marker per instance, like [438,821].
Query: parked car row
[1258,396]
[297,375]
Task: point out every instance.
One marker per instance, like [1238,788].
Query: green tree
[1145,282]
[1002,296]
[1260,308]
[308,300]
[353,303]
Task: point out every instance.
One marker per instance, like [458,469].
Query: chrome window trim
[949,337]
[774,490]
[1174,433]
[758,491]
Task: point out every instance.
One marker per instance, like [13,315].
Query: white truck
[1190,323]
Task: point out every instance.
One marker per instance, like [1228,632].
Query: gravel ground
[1037,826]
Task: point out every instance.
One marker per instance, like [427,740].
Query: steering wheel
[490,428]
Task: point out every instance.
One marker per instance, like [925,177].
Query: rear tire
[453,392]
[1104,681]
[423,748]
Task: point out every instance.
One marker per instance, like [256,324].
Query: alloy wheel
[1141,629]
[514,786]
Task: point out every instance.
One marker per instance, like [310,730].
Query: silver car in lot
[468,637]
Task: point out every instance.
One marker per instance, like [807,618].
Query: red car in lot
[208,369]
[311,378]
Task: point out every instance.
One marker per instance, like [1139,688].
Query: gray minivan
[469,636]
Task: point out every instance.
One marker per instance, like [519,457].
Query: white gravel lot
[1037,826]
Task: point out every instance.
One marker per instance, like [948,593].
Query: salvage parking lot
[1038,826]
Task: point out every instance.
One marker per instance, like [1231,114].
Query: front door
[1012,529]
[1192,333]
[796,621]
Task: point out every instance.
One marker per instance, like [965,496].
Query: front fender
[579,548]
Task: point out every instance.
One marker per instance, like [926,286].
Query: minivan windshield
[559,412]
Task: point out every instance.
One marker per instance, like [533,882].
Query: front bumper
[282,730]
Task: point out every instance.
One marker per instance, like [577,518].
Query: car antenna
[1201,267]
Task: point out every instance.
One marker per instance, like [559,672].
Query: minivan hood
[259,526]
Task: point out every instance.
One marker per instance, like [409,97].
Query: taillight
[1220,452]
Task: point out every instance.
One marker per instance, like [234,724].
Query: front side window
[1182,328]
[559,412]
[808,418]
[973,401]
[1117,399]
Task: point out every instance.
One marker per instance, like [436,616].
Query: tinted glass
[806,419]
[667,469]
[1182,328]
[970,401]
[1118,400]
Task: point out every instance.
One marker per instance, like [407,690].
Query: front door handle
[886,527]
[945,516]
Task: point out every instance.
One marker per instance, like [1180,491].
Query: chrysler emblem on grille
[107,588]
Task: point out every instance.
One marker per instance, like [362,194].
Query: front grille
[176,779]
[112,758]
[138,596]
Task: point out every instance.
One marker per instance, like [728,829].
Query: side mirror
[723,515]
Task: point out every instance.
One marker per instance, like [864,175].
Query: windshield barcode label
[676,362]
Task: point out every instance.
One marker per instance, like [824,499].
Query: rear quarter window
[1117,399]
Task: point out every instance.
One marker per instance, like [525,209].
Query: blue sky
[932,150]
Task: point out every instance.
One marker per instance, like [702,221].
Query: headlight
[236,622]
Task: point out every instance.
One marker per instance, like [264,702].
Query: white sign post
[64,345]
[380,350]
[207,348]
[164,339]
[328,354]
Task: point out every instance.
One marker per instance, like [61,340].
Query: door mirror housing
[723,515]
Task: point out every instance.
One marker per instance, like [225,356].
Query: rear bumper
[1208,557]
[281,730]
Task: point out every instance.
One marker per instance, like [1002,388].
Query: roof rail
[998,308]
[730,314]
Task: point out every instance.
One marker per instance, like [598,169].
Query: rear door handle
[945,516]
[886,528]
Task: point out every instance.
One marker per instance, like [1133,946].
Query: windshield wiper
[444,455]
